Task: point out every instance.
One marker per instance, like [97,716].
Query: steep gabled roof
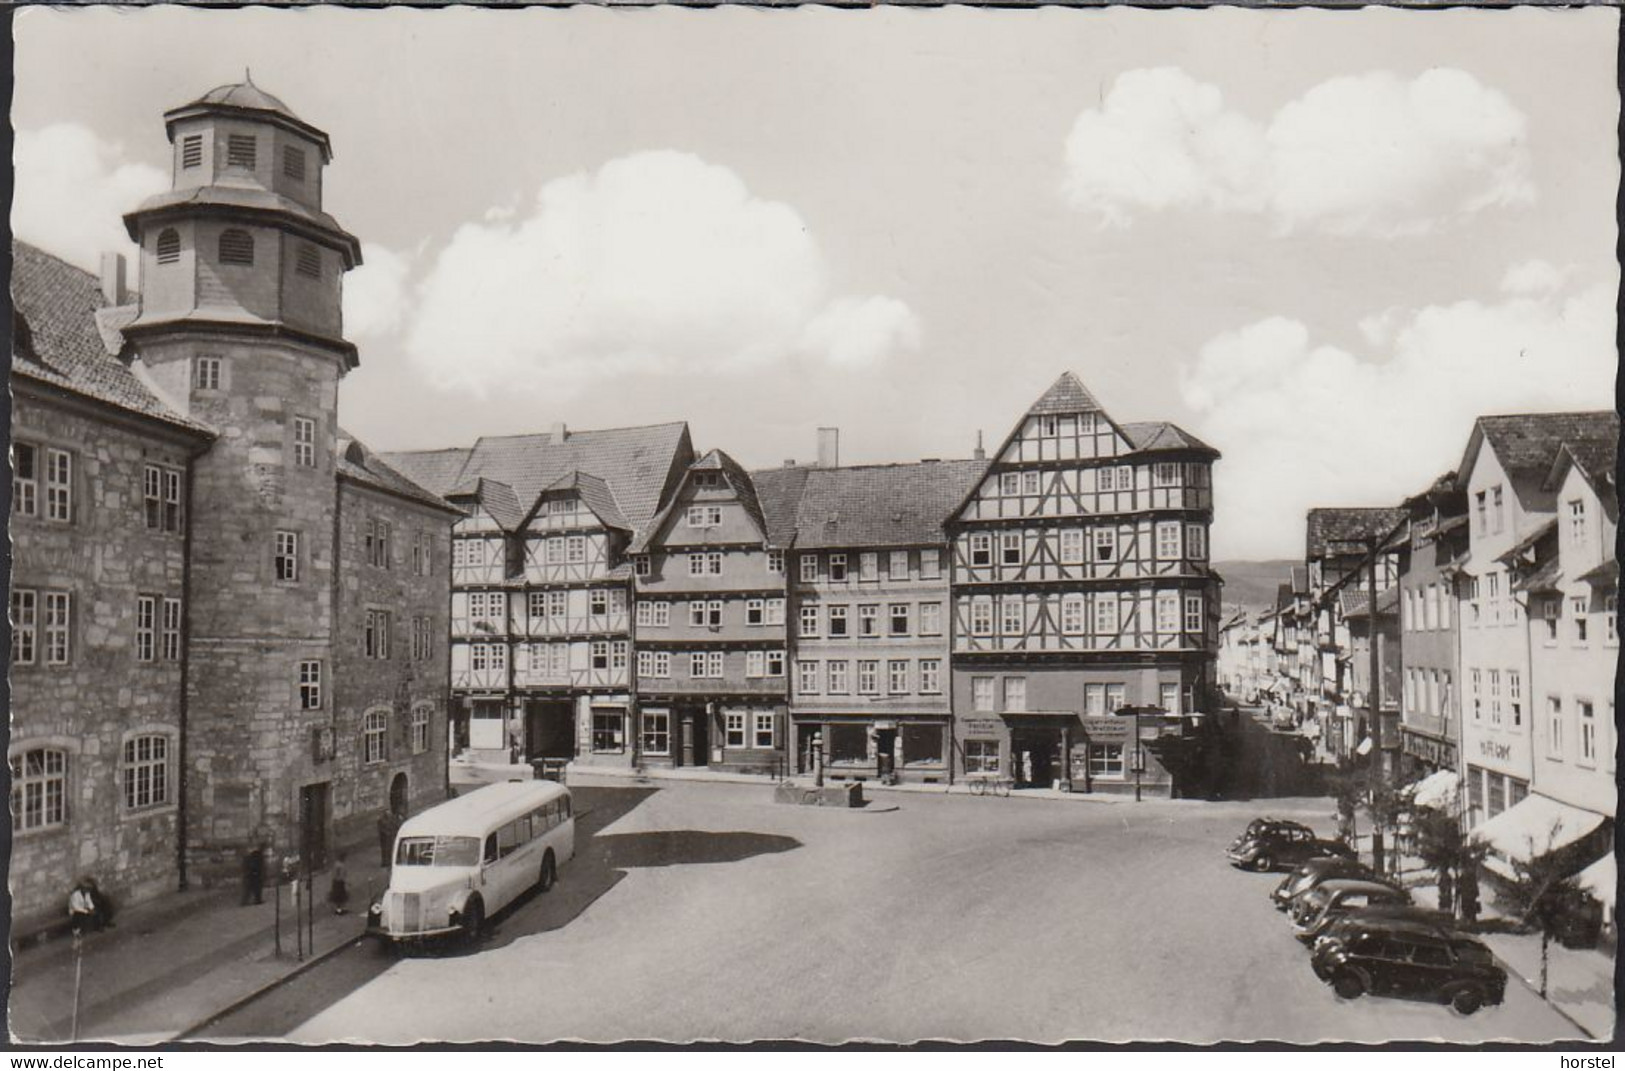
[737,478]
[1527,445]
[437,470]
[495,497]
[65,335]
[779,491]
[593,491]
[1596,462]
[1159,435]
[1348,524]
[634,462]
[1354,602]
[1066,395]
[356,462]
[882,505]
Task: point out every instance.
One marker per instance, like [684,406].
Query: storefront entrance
[1035,758]
[695,725]
[550,729]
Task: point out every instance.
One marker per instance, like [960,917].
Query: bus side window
[544,818]
[490,849]
[521,829]
[508,839]
[565,803]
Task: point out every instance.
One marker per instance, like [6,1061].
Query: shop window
[922,745]
[981,756]
[1106,760]
[608,731]
[848,743]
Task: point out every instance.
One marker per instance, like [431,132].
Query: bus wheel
[550,872]
[473,919]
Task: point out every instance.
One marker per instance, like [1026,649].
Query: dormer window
[293,163]
[192,151]
[236,247]
[308,262]
[169,246]
[241,151]
[706,479]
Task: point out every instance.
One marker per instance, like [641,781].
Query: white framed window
[809,621]
[206,372]
[713,663]
[39,789]
[1106,479]
[764,729]
[1577,607]
[641,565]
[170,636]
[1168,541]
[981,694]
[898,615]
[836,617]
[696,563]
[775,611]
[58,626]
[837,568]
[1105,544]
[1515,696]
[808,565]
[1588,732]
[931,676]
[24,626]
[755,612]
[1495,697]
[1072,614]
[1106,761]
[697,664]
[897,565]
[930,618]
[897,676]
[869,620]
[608,730]
[704,516]
[598,654]
[558,607]
[1167,605]
[981,616]
[930,564]
[376,636]
[1012,615]
[734,728]
[981,549]
[981,756]
[1015,694]
[1010,548]
[575,550]
[287,556]
[1475,681]
[144,770]
[775,561]
[1009,483]
[807,677]
[1554,728]
[161,498]
[838,676]
[1195,542]
[1193,613]
[1029,483]
[868,677]
[1165,474]
[1072,546]
[375,737]
[1106,613]
[24,479]
[146,628]
[755,663]
[644,615]
[869,566]
[598,602]
[304,442]
[656,731]
[775,663]
[420,728]
[58,485]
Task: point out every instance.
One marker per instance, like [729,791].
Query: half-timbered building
[1082,589]
[711,660]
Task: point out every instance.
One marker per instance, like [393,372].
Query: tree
[1445,849]
[1543,894]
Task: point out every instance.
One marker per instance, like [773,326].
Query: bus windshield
[438,851]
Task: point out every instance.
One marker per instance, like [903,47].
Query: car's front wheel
[1263,862]
[550,872]
[473,920]
[1467,1000]
[1348,985]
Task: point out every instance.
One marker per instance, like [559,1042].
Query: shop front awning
[1601,879]
[1536,826]
[1437,790]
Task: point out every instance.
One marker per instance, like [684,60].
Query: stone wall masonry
[106,557]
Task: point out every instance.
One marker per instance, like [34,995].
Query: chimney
[113,288]
[829,448]
[559,432]
[980,454]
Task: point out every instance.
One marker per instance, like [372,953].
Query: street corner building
[228,615]
[1083,592]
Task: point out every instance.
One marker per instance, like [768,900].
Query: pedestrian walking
[254,875]
[1467,893]
[389,824]
[338,894]
[82,912]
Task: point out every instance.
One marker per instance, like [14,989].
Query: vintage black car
[1314,871]
[1315,911]
[1269,844]
[1407,957]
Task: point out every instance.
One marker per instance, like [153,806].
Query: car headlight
[376,909]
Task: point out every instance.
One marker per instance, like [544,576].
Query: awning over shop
[1537,825]
[1437,789]
[1601,879]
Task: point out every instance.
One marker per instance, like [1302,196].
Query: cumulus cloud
[1305,424]
[657,262]
[1534,277]
[375,295]
[1361,154]
[72,189]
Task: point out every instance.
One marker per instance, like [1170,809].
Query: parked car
[1312,872]
[1403,957]
[1318,908]
[1269,844]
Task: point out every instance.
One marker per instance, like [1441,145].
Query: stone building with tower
[261,598]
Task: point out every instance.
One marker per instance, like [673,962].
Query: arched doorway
[397,794]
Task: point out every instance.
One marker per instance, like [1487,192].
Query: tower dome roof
[245,94]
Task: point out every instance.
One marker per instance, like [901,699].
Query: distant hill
[1251,585]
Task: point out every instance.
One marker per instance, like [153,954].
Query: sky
[1322,241]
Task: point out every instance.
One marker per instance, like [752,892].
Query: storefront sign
[1108,730]
[989,726]
[1440,754]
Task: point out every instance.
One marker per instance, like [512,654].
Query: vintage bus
[457,864]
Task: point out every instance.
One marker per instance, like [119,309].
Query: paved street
[706,911]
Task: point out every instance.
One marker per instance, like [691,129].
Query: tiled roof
[495,497]
[58,339]
[357,462]
[1547,578]
[1544,532]
[1354,601]
[1343,525]
[739,480]
[634,462]
[779,491]
[1596,461]
[438,470]
[1161,435]
[1605,575]
[882,505]
[1065,395]
[594,492]
[255,198]
[1527,444]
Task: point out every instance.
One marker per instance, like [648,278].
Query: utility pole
[1379,776]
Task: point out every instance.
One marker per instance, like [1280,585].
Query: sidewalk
[171,963]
